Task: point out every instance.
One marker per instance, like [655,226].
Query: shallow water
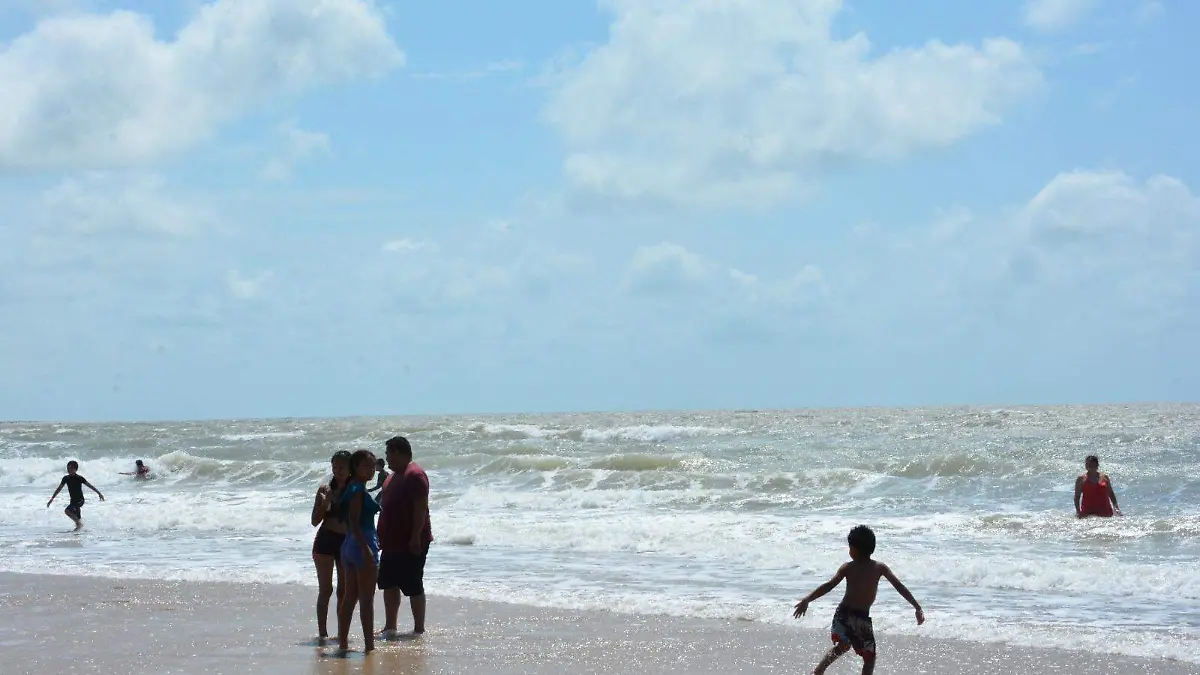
[730,514]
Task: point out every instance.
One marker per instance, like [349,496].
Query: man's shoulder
[414,470]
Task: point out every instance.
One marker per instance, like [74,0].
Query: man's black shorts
[404,571]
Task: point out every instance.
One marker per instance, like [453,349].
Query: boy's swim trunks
[852,627]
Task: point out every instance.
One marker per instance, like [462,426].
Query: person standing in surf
[74,483]
[404,536]
[1094,495]
[331,532]
[381,475]
[360,552]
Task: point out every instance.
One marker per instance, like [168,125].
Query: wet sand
[54,624]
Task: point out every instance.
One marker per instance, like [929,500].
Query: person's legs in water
[832,655]
[412,584]
[391,610]
[74,511]
[325,566]
[418,611]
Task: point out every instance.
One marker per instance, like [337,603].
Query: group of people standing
[364,555]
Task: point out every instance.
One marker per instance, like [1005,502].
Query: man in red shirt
[404,535]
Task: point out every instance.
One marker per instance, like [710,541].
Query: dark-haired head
[399,453]
[72,466]
[1092,462]
[862,542]
[340,462]
[357,461]
[138,462]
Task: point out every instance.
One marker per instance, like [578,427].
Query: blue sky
[250,208]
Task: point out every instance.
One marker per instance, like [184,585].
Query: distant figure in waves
[74,483]
[360,552]
[381,475]
[142,471]
[331,532]
[1094,494]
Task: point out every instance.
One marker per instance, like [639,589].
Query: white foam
[262,435]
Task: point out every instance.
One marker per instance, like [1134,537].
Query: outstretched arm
[53,496]
[93,487]
[1078,496]
[903,591]
[802,606]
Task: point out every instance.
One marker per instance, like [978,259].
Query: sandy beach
[61,624]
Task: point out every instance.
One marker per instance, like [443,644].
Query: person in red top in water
[404,536]
[142,471]
[1094,494]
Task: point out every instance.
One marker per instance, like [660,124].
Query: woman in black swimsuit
[328,542]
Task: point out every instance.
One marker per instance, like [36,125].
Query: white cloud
[688,293]
[90,90]
[665,268]
[402,245]
[108,245]
[1093,255]
[732,101]
[1089,204]
[247,288]
[126,203]
[671,269]
[1089,49]
[295,145]
[1055,15]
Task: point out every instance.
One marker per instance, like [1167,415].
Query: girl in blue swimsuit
[360,551]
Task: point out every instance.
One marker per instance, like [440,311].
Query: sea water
[714,514]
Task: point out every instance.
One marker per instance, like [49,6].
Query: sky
[267,208]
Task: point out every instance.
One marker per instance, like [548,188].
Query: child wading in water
[852,618]
[74,483]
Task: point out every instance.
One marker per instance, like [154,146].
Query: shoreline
[70,624]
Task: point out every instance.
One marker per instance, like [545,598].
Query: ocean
[707,514]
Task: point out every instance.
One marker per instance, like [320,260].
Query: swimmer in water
[1094,495]
[142,470]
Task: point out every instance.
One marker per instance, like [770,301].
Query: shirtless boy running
[852,618]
